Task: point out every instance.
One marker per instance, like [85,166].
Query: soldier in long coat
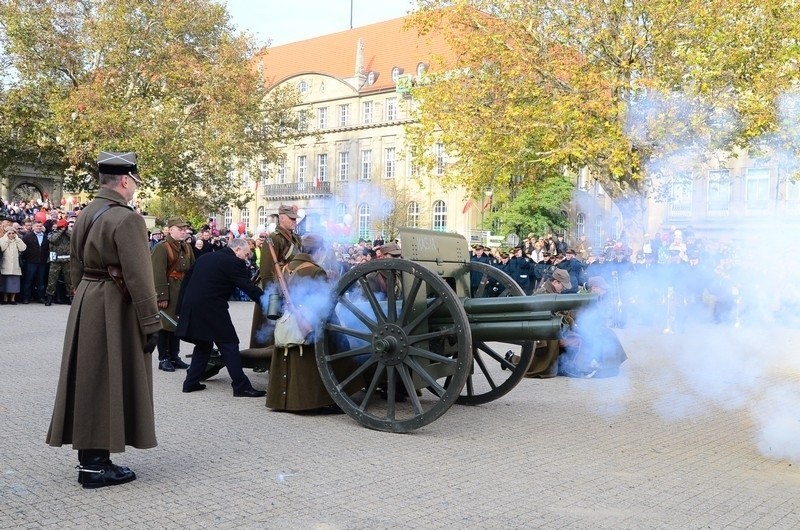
[171,258]
[286,244]
[104,399]
[294,380]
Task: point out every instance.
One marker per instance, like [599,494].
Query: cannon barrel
[521,304]
[552,328]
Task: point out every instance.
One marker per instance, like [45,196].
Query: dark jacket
[35,253]
[204,295]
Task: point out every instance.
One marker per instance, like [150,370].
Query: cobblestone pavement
[683,438]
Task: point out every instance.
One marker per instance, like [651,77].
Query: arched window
[364,221]
[246,218]
[439,216]
[413,214]
[228,218]
[580,225]
[341,211]
[262,216]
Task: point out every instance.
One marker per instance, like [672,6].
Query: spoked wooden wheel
[493,375]
[388,344]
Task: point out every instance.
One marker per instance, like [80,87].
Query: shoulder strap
[96,216]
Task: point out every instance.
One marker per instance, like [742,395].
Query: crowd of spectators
[672,273]
[674,277]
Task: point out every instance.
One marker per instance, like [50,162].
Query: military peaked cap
[113,163]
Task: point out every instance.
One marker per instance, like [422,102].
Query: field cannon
[425,341]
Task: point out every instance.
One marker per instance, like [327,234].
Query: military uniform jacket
[168,279]
[59,245]
[104,398]
[286,244]
[205,292]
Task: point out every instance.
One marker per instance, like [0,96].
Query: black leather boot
[48,300]
[163,352]
[97,471]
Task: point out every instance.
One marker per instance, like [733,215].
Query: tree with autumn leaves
[168,79]
[634,91]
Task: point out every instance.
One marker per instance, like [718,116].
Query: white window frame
[322,167]
[391,109]
[439,216]
[244,216]
[322,118]
[412,214]
[366,164]
[341,211]
[718,197]
[367,108]
[389,166]
[580,224]
[302,168]
[681,188]
[756,190]
[263,218]
[228,216]
[364,221]
[344,166]
[438,150]
[281,172]
[344,115]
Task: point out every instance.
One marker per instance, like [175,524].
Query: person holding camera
[104,398]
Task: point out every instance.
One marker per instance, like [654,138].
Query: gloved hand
[151,342]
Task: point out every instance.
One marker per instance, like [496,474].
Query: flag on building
[467,206]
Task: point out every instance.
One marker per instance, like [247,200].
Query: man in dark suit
[35,256]
[204,319]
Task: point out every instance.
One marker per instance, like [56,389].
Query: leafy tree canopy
[168,79]
[626,88]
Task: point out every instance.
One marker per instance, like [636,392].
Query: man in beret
[171,258]
[59,260]
[285,243]
[104,399]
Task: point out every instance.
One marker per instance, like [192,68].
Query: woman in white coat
[11,246]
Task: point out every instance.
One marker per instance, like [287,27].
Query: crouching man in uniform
[204,320]
[104,399]
[294,380]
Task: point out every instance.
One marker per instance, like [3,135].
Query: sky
[284,21]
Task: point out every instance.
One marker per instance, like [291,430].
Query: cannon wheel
[394,345]
[486,383]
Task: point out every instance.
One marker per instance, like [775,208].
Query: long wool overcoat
[104,398]
[294,380]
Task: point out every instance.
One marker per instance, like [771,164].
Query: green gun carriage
[424,341]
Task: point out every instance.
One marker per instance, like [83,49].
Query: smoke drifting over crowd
[742,362]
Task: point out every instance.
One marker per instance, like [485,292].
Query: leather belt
[96,275]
